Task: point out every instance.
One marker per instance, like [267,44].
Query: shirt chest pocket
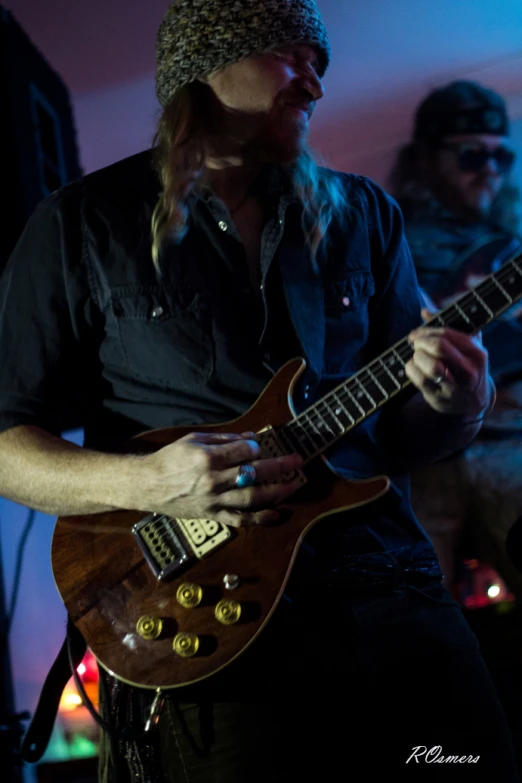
[347,320]
[163,340]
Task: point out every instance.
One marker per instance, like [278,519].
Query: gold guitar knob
[189,595]
[186,644]
[149,627]
[227,612]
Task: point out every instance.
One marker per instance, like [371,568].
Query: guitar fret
[365,392]
[373,390]
[298,435]
[172,549]
[401,373]
[342,409]
[495,297]
[330,414]
[399,358]
[517,267]
[390,374]
[391,361]
[508,274]
[511,281]
[325,429]
[356,411]
[305,435]
[510,300]
[352,398]
[463,314]
[457,318]
[484,305]
[316,430]
[482,316]
[359,396]
[374,379]
[283,437]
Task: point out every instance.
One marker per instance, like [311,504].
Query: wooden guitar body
[162,602]
[108,585]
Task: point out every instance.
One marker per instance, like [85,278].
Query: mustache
[301,100]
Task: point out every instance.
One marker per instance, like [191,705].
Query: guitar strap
[40,729]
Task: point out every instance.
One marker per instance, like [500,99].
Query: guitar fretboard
[321,425]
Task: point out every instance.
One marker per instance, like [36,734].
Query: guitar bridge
[169,543]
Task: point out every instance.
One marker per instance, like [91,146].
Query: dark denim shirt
[90,337]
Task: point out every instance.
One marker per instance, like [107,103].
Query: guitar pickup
[169,543]
[161,544]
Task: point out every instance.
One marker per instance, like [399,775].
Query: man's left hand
[450,369]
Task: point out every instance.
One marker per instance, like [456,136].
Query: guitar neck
[350,403]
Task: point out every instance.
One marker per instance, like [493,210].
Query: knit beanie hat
[197,37]
[459,108]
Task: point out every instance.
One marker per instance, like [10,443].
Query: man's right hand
[194,478]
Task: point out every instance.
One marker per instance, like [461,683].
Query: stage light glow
[494,591]
[70,701]
[81,669]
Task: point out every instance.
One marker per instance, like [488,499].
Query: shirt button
[157,312]
[307,392]
[223,226]
[346,301]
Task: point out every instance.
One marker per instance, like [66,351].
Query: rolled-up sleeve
[43,301]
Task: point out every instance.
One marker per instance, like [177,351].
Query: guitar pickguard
[168,544]
[271,447]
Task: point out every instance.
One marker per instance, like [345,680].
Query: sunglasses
[474,159]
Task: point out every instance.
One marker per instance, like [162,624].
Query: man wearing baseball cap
[166,290]
[462,222]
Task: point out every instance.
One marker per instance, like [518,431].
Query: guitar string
[344,392]
[316,432]
[454,316]
[312,429]
[376,372]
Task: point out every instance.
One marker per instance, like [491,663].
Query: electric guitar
[165,602]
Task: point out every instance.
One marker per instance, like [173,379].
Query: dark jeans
[370,668]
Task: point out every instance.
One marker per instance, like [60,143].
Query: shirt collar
[272,186]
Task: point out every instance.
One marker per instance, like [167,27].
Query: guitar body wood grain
[107,585]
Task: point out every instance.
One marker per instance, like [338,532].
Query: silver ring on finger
[441,378]
[246,476]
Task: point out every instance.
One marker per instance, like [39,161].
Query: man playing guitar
[257,255]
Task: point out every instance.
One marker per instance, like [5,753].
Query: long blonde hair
[181,145]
